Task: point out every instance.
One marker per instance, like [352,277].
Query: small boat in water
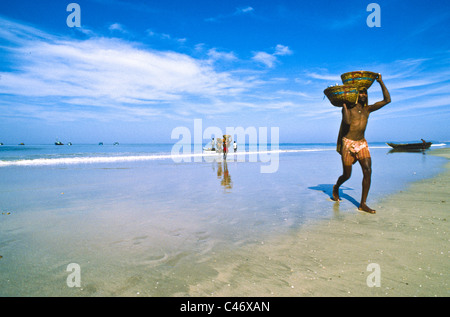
[410,146]
[58,143]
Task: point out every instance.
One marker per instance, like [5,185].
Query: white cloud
[270,59]
[105,68]
[113,75]
[328,77]
[237,12]
[243,10]
[215,55]
[117,27]
[282,50]
[265,58]
[165,36]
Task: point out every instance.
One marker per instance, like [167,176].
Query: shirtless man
[353,146]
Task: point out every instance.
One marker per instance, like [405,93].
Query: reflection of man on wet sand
[353,146]
[226,179]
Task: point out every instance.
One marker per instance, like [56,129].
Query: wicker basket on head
[339,95]
[359,79]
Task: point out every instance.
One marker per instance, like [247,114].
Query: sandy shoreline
[407,239]
[131,240]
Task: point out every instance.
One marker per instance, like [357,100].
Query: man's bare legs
[366,166]
[347,172]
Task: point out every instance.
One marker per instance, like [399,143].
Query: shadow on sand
[328,190]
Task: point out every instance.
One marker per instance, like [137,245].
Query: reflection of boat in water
[410,146]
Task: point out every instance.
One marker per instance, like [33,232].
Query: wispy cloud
[282,50]
[165,36]
[414,84]
[238,12]
[216,55]
[55,77]
[108,73]
[270,60]
[265,58]
[117,27]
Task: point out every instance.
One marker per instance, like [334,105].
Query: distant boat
[410,146]
[22,143]
[58,143]
[101,143]
[116,143]
[1,143]
[70,143]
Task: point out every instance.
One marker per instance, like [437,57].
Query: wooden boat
[410,146]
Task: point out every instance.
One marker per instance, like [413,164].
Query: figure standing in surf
[225,150]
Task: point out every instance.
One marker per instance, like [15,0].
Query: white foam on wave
[152,157]
[83,160]
[136,158]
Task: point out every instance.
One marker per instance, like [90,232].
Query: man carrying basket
[353,146]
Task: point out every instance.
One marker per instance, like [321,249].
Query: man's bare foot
[364,207]
[336,193]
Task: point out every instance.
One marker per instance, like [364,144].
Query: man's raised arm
[386,96]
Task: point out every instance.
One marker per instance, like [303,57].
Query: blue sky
[135,70]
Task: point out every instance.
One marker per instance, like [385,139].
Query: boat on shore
[410,146]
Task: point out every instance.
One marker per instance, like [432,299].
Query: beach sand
[407,240]
[165,229]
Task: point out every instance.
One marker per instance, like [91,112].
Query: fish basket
[359,79]
[338,95]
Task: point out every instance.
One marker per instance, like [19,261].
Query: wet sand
[141,230]
[407,239]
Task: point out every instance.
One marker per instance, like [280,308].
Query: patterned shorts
[353,151]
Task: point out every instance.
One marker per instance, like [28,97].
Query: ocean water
[140,221]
